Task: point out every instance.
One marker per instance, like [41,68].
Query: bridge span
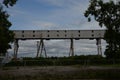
[57,34]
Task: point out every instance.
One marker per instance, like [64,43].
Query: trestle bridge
[56,34]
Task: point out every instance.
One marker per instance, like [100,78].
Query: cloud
[28,48]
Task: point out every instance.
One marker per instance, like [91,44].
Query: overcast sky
[53,15]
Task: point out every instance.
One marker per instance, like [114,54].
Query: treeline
[63,61]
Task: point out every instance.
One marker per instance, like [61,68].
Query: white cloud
[58,47]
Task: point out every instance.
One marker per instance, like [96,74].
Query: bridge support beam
[99,48]
[41,48]
[71,53]
[16,46]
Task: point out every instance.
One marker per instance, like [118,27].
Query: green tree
[107,14]
[6,35]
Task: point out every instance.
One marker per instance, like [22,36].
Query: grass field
[90,67]
[60,73]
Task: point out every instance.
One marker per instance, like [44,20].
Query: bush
[61,61]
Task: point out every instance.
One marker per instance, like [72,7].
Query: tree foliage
[6,36]
[8,3]
[108,15]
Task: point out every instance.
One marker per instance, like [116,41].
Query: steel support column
[16,46]
[71,53]
[41,48]
[99,48]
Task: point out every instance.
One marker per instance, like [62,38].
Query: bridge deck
[59,34]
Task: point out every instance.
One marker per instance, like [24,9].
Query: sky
[50,14]
[53,15]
